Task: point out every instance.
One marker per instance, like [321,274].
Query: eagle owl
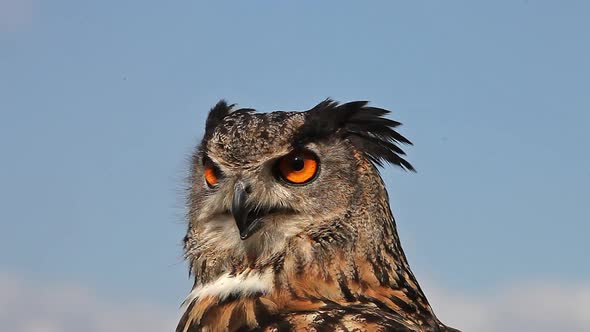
[289,224]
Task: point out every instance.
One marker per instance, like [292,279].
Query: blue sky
[102,102]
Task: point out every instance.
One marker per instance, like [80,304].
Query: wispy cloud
[29,307]
[533,306]
[539,306]
[15,15]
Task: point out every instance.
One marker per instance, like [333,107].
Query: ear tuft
[365,127]
[216,115]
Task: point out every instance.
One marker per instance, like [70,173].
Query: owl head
[259,180]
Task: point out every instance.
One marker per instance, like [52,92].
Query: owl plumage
[289,225]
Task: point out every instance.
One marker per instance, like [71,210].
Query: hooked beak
[246,221]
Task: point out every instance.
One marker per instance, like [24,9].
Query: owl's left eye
[211,174]
[298,167]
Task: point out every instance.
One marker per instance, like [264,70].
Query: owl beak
[247,223]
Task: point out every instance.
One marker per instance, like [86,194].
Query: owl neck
[357,259]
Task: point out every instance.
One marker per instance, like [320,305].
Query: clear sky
[101,103]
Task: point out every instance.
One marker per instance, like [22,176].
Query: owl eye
[298,167]
[212,174]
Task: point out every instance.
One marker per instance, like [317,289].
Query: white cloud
[28,307]
[532,306]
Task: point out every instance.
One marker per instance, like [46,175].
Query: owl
[289,224]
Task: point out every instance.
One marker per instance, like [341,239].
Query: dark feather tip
[216,115]
[365,127]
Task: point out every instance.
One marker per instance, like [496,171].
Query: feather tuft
[216,115]
[365,127]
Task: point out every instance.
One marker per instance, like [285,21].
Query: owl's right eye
[211,174]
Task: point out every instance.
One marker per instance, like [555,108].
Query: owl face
[257,180]
[251,176]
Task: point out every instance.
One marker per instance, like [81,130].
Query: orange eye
[211,175]
[298,167]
